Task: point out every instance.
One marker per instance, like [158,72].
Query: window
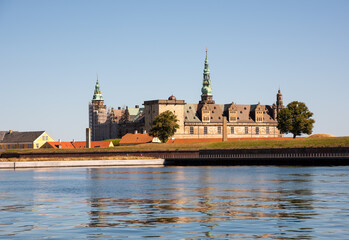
[246,130]
[205,130]
[257,130]
[37,145]
[267,130]
[191,130]
[43,138]
[219,130]
[231,130]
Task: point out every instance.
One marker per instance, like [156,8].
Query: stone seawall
[270,156]
[82,163]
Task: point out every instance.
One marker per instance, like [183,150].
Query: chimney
[73,140]
[144,131]
[136,131]
[119,108]
[88,137]
[137,106]
[59,140]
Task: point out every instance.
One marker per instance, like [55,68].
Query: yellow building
[23,140]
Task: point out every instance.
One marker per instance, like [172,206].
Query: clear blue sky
[50,52]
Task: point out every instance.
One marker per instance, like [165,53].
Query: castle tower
[206,90]
[279,102]
[97,115]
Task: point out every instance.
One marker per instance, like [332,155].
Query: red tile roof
[61,144]
[138,138]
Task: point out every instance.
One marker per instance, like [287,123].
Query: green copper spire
[97,94]
[206,84]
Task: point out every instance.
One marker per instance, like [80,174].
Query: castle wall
[198,131]
[156,107]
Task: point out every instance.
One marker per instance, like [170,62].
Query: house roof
[21,137]
[137,138]
[62,144]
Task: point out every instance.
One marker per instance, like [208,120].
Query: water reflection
[175,202]
[210,197]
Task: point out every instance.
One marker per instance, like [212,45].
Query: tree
[295,119]
[164,126]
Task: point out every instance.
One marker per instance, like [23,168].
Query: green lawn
[261,143]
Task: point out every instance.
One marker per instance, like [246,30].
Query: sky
[51,52]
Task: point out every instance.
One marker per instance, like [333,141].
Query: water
[175,203]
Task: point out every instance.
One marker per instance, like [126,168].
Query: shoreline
[82,163]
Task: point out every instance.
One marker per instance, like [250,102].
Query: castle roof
[245,113]
[135,113]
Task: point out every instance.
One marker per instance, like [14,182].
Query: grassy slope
[261,143]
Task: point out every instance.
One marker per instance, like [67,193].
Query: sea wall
[85,163]
[265,156]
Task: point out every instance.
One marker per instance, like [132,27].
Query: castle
[196,121]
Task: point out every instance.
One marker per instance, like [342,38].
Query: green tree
[164,126]
[295,119]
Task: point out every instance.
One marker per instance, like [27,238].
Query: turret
[279,102]
[97,114]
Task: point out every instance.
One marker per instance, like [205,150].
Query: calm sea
[175,203]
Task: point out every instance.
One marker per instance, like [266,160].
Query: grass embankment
[236,144]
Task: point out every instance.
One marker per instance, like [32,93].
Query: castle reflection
[205,195]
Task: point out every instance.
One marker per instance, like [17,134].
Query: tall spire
[206,83]
[97,93]
[206,90]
